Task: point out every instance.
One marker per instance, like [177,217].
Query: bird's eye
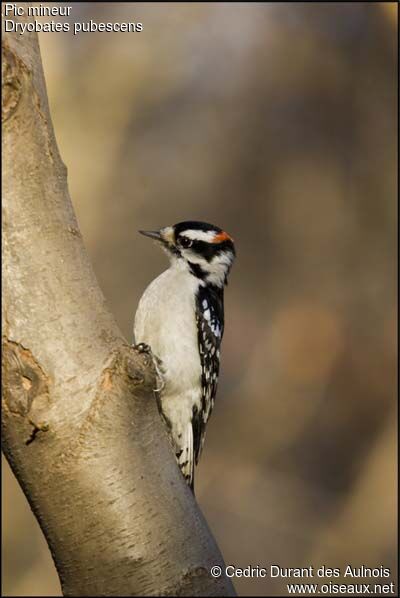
[185,242]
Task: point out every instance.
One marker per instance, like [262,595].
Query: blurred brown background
[278,123]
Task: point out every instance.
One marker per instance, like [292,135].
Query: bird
[180,320]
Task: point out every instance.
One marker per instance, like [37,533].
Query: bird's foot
[157,364]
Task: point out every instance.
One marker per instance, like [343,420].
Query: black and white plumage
[181,317]
[210,328]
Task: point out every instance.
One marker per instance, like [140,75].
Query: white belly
[165,320]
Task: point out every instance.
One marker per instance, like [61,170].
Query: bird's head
[204,249]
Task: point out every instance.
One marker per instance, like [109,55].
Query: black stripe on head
[197,270]
[209,250]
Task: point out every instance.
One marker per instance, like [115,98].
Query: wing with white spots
[210,328]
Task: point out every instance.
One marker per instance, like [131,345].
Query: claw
[160,371]
[142,348]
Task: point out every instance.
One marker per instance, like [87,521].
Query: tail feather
[185,456]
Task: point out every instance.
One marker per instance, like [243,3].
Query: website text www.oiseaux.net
[355,577]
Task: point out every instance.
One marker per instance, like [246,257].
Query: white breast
[165,320]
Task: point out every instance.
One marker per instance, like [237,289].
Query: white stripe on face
[219,267]
[200,235]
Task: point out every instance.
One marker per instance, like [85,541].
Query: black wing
[210,328]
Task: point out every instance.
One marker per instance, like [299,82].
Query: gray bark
[80,424]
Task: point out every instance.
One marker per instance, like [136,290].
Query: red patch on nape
[222,237]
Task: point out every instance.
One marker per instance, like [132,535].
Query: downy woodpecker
[181,318]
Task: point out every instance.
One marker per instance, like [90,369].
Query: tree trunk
[81,429]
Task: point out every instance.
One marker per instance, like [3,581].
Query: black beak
[153,234]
